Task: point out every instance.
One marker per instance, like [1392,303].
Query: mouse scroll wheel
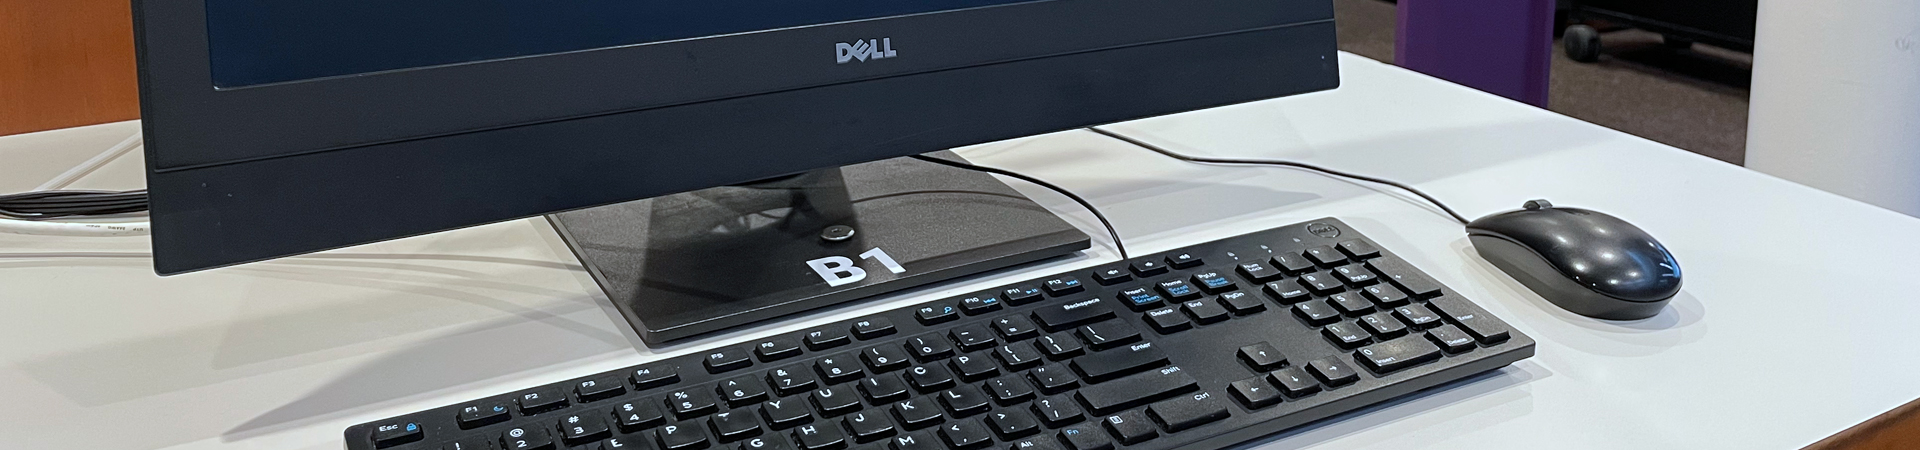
[1537,204]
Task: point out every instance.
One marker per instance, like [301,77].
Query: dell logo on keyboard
[863,50]
[840,270]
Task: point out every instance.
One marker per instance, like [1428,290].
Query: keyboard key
[1294,382]
[471,443]
[869,425]
[1063,285]
[1188,411]
[599,388]
[916,412]
[883,389]
[1325,256]
[791,379]
[1136,389]
[1205,311]
[1111,276]
[1018,356]
[1105,335]
[1149,268]
[785,413]
[825,338]
[928,378]
[1141,299]
[1053,378]
[964,400]
[1057,411]
[1184,261]
[1451,338]
[974,367]
[1346,335]
[884,358]
[979,304]
[1012,423]
[634,417]
[525,438]
[777,348]
[1405,277]
[1068,315]
[1316,312]
[819,437]
[482,414]
[769,442]
[689,403]
[929,315]
[1386,295]
[839,368]
[1260,272]
[965,435]
[1358,249]
[1014,328]
[1119,362]
[1242,303]
[1214,282]
[1177,289]
[1321,283]
[1291,264]
[396,433]
[872,327]
[928,347]
[971,337]
[1485,329]
[1059,346]
[742,391]
[1287,291]
[1332,372]
[683,435]
[1351,304]
[1354,275]
[541,400]
[1383,325]
[1086,437]
[1262,356]
[727,359]
[1009,389]
[1131,427]
[1021,295]
[1255,393]
[1397,354]
[579,429]
[915,441]
[1168,320]
[835,400]
[1417,316]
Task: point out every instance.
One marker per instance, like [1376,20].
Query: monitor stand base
[686,264]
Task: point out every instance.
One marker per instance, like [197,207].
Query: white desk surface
[1794,323]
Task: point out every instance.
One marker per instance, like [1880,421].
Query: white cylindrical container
[1836,98]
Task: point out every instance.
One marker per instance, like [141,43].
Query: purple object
[1499,46]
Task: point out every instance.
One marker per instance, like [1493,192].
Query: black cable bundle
[43,205]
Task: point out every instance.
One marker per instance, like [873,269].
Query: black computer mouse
[1586,262]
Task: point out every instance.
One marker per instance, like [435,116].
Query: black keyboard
[1199,348]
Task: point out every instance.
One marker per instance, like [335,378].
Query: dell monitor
[673,142]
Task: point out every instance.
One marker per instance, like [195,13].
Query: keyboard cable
[1282,163]
[1111,232]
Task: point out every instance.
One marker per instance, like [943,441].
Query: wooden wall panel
[66,63]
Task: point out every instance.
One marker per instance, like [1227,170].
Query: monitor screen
[254,42]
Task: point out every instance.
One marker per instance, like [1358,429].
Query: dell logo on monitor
[863,50]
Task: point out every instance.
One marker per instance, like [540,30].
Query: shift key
[1137,389]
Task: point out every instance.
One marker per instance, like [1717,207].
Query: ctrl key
[1188,411]
[396,433]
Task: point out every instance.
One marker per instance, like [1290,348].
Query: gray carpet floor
[1694,99]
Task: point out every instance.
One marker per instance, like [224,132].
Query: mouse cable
[1297,165]
[1042,183]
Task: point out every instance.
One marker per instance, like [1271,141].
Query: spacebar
[1137,389]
